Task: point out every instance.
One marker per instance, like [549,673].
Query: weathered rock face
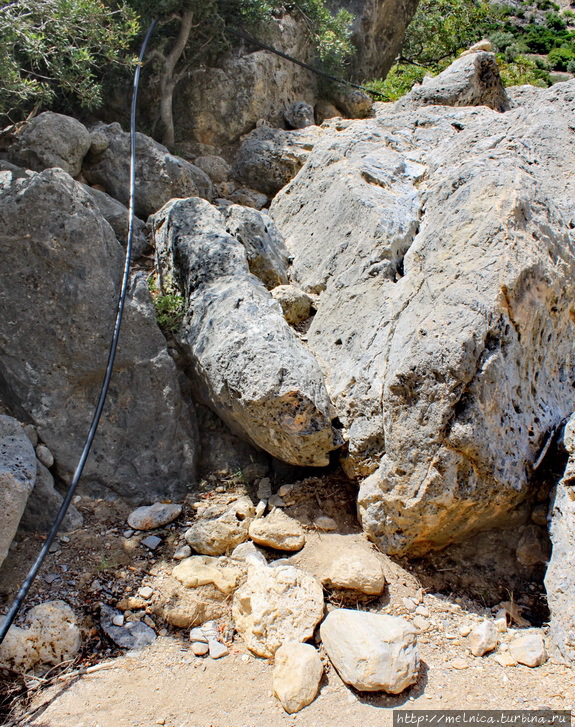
[246,362]
[269,158]
[160,175]
[472,80]
[560,576]
[214,108]
[61,257]
[116,215]
[17,478]
[43,505]
[266,252]
[378,32]
[51,140]
[444,256]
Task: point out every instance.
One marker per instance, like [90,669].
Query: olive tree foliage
[193,32]
[442,28]
[55,52]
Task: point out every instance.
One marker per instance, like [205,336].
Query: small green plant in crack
[169,307]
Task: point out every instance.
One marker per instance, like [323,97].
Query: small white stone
[145,592]
[199,648]
[153,516]
[285,490]
[483,638]
[459,663]
[505,659]
[196,634]
[217,649]
[44,455]
[528,649]
[261,508]
[325,523]
[248,553]
[297,674]
[410,604]
[276,501]
[183,552]
[118,619]
[420,623]
[422,611]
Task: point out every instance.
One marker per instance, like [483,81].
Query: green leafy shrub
[55,52]
[169,307]
[398,81]
[555,22]
[559,58]
[441,28]
[522,71]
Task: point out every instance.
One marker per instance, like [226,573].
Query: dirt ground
[165,684]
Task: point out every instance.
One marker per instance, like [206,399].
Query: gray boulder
[245,361]
[471,80]
[116,215]
[354,103]
[17,478]
[265,248]
[160,175]
[51,140]
[217,169]
[560,576]
[43,505]
[444,257]
[298,115]
[60,257]
[269,158]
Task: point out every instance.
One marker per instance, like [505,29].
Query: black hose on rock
[110,365]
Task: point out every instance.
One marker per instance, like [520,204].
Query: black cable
[245,36]
[111,356]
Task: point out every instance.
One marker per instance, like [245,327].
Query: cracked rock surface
[440,241]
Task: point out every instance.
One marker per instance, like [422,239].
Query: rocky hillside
[403,310]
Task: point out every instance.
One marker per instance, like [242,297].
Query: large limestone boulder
[51,140]
[17,478]
[61,258]
[278,530]
[371,651]
[444,259]
[560,575]
[160,176]
[346,564]
[472,80]
[245,361]
[276,606]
